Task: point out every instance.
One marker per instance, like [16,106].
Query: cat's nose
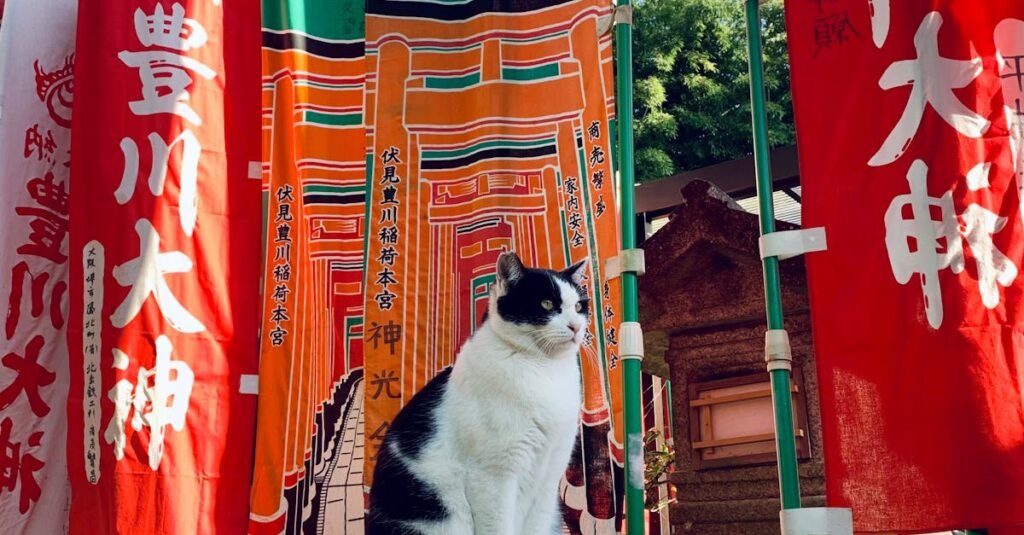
[575,328]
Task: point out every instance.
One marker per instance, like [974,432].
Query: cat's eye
[547,305]
[579,307]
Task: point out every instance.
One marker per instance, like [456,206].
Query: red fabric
[923,412]
[199,482]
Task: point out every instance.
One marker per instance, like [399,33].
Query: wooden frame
[762,444]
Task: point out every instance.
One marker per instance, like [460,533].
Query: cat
[481,449]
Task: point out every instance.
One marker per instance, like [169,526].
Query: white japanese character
[165,82]
[932,79]
[879,10]
[145,276]
[924,245]
[188,172]
[1009,39]
[161,397]
[170,31]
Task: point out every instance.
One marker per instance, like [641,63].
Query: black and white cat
[482,448]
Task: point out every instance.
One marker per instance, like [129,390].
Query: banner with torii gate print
[308,465]
[488,130]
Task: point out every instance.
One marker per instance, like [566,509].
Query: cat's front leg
[492,501]
[544,517]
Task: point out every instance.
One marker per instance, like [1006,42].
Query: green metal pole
[780,378]
[630,313]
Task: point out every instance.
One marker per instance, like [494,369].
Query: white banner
[37,42]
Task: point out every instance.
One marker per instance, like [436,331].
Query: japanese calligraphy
[932,79]
[29,377]
[93,260]
[384,382]
[187,172]
[38,298]
[283,268]
[169,31]
[923,245]
[389,334]
[388,236]
[145,276]
[833,30]
[49,224]
[160,397]
[38,144]
[17,469]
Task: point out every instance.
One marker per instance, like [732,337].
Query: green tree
[692,103]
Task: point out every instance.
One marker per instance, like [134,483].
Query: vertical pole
[631,367]
[780,378]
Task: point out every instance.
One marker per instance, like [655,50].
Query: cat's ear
[576,271]
[509,269]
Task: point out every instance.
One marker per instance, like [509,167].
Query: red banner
[164,251]
[909,118]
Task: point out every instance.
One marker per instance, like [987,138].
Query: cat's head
[544,309]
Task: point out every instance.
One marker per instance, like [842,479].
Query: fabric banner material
[164,294]
[309,450]
[488,130]
[909,118]
[36,55]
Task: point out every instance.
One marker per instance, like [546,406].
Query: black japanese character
[388,235]
[284,233]
[833,30]
[389,195]
[386,278]
[577,239]
[282,272]
[277,336]
[571,187]
[389,215]
[383,382]
[575,221]
[611,336]
[390,156]
[279,314]
[283,252]
[389,176]
[284,213]
[385,299]
[280,293]
[284,193]
[388,256]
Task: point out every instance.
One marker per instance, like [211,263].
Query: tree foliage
[692,99]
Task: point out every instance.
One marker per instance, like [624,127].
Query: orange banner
[489,132]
